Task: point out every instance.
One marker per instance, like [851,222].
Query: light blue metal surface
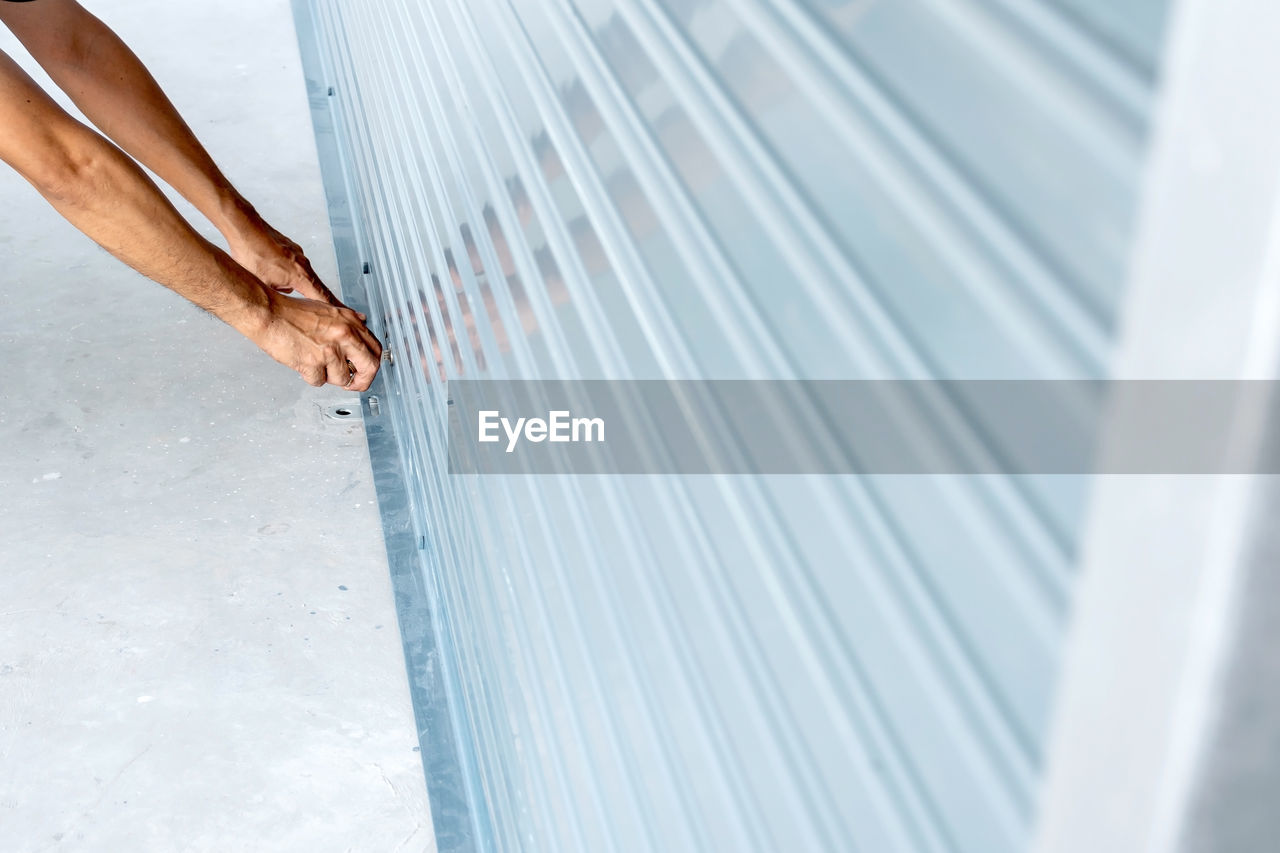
[741,189]
[453,818]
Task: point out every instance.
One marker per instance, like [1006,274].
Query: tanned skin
[104,193]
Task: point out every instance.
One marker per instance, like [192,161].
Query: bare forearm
[115,91]
[104,193]
[112,201]
[107,196]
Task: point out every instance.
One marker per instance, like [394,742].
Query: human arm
[114,90]
[104,194]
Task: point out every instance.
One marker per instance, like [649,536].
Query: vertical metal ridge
[510,44]
[673,354]
[396,137]
[599,693]
[433,680]
[913,157]
[840,672]
[580,188]
[899,355]
[551,114]
[523,631]
[604,345]
[353,137]
[489,654]
[915,814]
[803,239]
[531,179]
[1124,84]
[561,356]
[1086,118]
[508,314]
[507,311]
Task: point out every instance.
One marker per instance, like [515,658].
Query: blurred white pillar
[1155,665]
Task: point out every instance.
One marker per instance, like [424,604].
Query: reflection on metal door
[737,189]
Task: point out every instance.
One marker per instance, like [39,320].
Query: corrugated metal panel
[742,189]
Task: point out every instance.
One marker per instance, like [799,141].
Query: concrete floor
[198,644]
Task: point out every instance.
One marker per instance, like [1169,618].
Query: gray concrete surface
[198,644]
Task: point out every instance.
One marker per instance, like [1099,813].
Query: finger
[315,289]
[366,337]
[313,282]
[325,294]
[364,368]
[336,370]
[371,341]
[302,278]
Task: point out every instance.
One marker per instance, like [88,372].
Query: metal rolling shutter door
[742,189]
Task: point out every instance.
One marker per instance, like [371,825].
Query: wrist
[235,218]
[252,306]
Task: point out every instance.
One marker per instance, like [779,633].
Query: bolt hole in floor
[341,412]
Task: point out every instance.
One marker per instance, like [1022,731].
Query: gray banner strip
[863,427]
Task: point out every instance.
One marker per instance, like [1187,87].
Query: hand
[323,343]
[277,261]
